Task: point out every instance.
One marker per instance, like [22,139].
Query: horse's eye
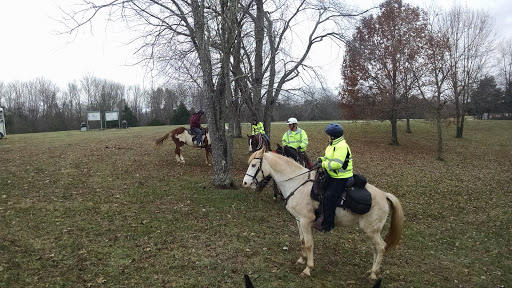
[253,165]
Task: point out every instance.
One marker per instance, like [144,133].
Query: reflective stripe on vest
[290,132]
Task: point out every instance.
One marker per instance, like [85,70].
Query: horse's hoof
[301,261]
[305,273]
[373,277]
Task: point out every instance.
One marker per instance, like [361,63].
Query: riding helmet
[334,130]
[292,121]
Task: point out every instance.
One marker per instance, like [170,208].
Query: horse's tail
[161,140]
[397,223]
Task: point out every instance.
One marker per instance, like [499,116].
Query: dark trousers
[331,197]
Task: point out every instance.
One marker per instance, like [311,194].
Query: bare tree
[472,39]
[272,54]
[199,32]
[505,57]
[433,76]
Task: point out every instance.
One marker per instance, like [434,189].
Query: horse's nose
[245,184]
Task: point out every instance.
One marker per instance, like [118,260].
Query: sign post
[112,116]
[94,116]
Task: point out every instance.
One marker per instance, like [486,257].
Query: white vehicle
[2,123]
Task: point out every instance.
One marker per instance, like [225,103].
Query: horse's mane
[289,162]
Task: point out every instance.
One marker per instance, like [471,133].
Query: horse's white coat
[302,207]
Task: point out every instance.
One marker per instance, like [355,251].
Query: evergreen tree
[127,114]
[181,115]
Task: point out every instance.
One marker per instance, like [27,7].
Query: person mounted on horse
[337,161]
[195,126]
[297,139]
[257,127]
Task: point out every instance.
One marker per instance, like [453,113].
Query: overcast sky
[30,47]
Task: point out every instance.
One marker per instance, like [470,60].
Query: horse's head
[256,172]
[253,144]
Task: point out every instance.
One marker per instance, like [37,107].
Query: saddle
[301,157]
[355,197]
[194,135]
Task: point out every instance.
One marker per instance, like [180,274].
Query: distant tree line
[41,106]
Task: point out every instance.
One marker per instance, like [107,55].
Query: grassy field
[107,209]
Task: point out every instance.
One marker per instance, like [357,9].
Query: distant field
[107,209]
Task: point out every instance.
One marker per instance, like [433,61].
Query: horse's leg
[378,253]
[276,190]
[177,151]
[208,151]
[307,233]
[303,257]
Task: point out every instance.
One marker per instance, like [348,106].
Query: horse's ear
[278,146]
[248,136]
[260,152]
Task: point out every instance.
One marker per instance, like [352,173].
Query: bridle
[257,171]
[263,174]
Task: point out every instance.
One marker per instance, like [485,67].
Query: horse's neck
[287,179]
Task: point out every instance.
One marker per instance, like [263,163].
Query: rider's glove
[318,164]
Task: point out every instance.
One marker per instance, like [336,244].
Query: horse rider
[257,127]
[195,126]
[296,138]
[337,161]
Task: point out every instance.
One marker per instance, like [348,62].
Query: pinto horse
[257,141]
[295,182]
[182,136]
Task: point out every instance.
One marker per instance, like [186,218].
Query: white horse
[295,183]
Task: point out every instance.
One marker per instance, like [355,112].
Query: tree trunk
[408,129]
[216,100]
[394,135]
[439,134]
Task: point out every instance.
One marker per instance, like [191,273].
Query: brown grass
[107,209]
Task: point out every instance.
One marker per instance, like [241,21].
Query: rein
[263,174]
[293,192]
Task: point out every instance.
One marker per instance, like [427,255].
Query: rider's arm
[305,142]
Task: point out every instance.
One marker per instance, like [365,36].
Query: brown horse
[295,183]
[257,141]
[181,136]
